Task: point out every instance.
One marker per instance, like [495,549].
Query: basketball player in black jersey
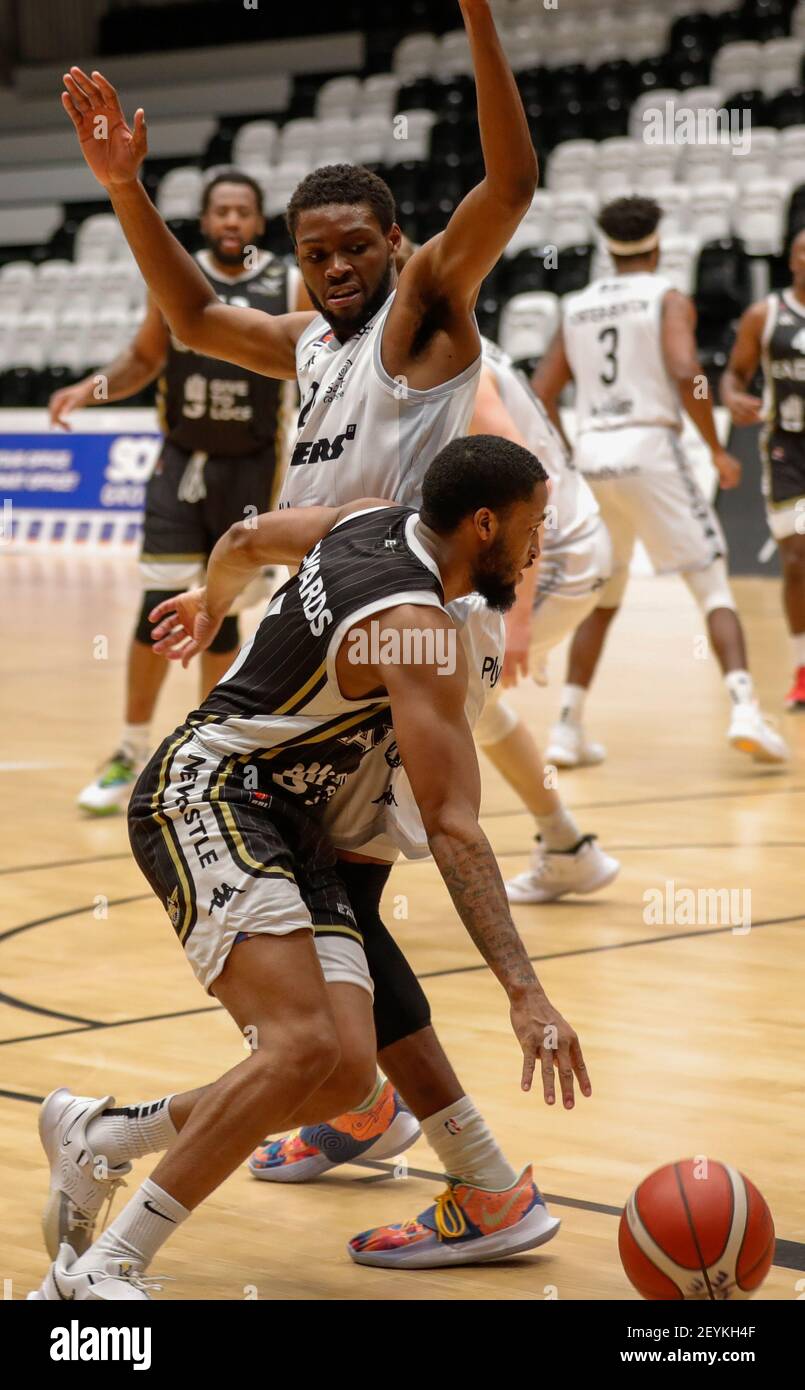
[223,440]
[225,823]
[771,334]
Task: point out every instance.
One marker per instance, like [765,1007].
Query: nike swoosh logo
[63,1296]
[492,1221]
[148,1207]
[66,1140]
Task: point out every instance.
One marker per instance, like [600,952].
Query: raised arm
[439,757]
[682,361]
[449,269]
[114,152]
[138,364]
[740,370]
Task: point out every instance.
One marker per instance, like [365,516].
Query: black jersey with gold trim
[215,407]
[277,725]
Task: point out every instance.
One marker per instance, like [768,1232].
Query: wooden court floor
[693,1032]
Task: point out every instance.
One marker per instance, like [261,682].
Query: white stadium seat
[281,183]
[416,56]
[379,94]
[536,227]
[760,160]
[370,138]
[571,165]
[255,142]
[642,119]
[678,259]
[98,238]
[299,139]
[791,155]
[707,163]
[179,192]
[760,216]
[674,199]
[66,347]
[341,96]
[574,218]
[711,210]
[528,324]
[409,136]
[654,166]
[21,272]
[780,62]
[737,66]
[454,54]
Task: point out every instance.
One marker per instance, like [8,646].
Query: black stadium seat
[697,30]
[787,107]
[723,280]
[765,19]
[573,270]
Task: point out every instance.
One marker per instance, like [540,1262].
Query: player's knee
[496,723]
[227,638]
[151,597]
[312,1053]
[711,587]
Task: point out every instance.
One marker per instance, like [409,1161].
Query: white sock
[132,1131]
[572,707]
[466,1148]
[137,1233]
[559,830]
[798,648]
[135,742]
[740,688]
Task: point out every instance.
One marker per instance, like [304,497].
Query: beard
[226,257]
[347,328]
[490,581]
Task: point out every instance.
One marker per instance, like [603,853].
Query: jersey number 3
[610,335]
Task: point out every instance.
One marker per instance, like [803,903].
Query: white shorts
[571,577]
[664,507]
[228,869]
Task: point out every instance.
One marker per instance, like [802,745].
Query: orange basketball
[697,1229]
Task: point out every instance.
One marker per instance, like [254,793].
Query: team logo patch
[172,907]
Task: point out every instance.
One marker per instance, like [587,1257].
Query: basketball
[696,1229]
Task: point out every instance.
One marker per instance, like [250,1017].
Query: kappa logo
[172,907]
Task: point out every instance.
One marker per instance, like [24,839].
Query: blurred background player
[772,334]
[221,460]
[628,341]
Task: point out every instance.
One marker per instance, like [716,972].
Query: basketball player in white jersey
[279,947]
[628,341]
[772,334]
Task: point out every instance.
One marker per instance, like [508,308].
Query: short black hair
[232,176]
[630,219]
[483,470]
[342,183]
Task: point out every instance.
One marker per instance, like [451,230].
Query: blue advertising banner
[85,472]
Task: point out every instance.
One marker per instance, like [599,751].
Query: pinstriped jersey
[360,432]
[783,360]
[278,721]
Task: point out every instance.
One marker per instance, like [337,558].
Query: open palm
[113,152]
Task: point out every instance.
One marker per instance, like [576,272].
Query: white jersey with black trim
[571,506]
[360,432]
[613,344]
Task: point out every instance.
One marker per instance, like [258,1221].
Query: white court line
[31,767]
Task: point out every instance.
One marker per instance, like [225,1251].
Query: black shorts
[785,457]
[252,865]
[180,531]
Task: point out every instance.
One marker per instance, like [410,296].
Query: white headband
[633,248]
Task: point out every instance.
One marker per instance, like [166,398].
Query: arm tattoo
[473,879]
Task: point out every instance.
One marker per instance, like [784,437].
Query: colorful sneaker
[108,794]
[385,1130]
[466,1225]
[795,699]
[552,873]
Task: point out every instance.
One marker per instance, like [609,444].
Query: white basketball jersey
[360,433]
[571,503]
[613,343]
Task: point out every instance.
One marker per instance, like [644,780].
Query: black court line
[49,1013]
[72,912]
[788,1254]
[64,863]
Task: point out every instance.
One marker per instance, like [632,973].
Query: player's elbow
[515,192]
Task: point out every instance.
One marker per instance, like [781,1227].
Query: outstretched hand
[183,626]
[545,1036]
[113,150]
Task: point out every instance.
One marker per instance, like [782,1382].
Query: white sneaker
[751,732]
[77,1192]
[568,747]
[553,873]
[112,1280]
[110,791]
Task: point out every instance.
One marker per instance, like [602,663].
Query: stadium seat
[760,216]
[370,139]
[674,199]
[571,165]
[780,65]
[654,165]
[454,54]
[573,218]
[20,272]
[711,209]
[678,260]
[791,154]
[379,95]
[99,238]
[737,66]
[280,183]
[723,281]
[527,272]
[416,56]
[179,193]
[341,96]
[641,117]
[255,143]
[535,228]
[708,163]
[409,138]
[528,323]
[760,160]
[787,108]
[573,271]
